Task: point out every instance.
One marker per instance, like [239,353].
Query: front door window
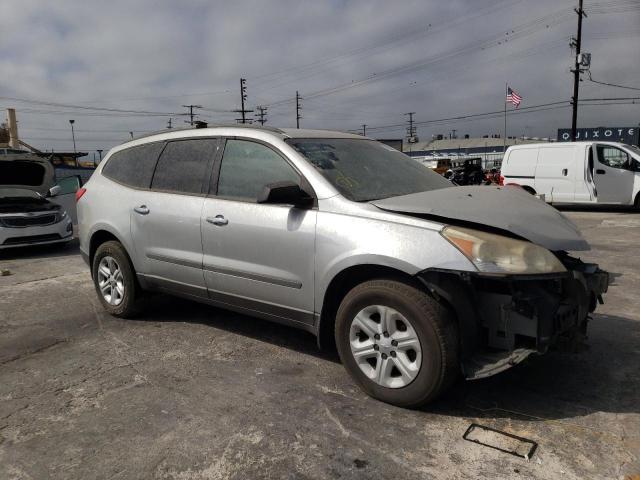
[613,157]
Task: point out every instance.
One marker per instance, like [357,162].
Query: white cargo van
[577,172]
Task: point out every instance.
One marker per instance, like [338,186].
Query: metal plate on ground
[505,442]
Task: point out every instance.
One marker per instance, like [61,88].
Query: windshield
[634,149]
[365,170]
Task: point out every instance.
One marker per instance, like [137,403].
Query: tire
[636,204]
[435,365]
[122,291]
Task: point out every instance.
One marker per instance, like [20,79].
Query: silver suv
[414,280]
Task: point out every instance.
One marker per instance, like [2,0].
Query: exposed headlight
[498,254]
[62,214]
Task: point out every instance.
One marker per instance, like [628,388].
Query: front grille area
[32,239]
[26,221]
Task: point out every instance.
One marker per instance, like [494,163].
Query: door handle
[565,171]
[142,210]
[218,220]
[600,171]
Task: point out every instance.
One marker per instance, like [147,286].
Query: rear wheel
[114,280]
[398,343]
[636,204]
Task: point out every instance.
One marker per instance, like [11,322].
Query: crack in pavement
[33,352]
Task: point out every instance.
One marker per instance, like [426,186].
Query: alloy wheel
[110,281]
[385,346]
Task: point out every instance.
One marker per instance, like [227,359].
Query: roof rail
[208,125]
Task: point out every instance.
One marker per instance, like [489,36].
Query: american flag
[513,97]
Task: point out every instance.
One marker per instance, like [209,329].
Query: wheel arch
[341,284]
[100,236]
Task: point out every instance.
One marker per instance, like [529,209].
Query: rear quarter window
[133,166]
[183,165]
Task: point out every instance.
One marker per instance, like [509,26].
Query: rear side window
[133,166]
[248,166]
[182,167]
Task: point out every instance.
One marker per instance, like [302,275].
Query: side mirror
[55,190]
[288,193]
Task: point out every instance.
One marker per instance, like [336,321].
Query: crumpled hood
[506,208]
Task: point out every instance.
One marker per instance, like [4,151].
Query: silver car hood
[506,208]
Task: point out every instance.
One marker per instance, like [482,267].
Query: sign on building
[628,135]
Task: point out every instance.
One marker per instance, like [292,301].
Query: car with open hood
[29,213]
[415,281]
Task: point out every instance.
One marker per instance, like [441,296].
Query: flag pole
[504,99]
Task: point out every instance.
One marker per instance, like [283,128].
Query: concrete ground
[192,392]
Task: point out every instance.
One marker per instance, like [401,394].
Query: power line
[521,31]
[497,113]
[83,107]
[612,84]
[308,70]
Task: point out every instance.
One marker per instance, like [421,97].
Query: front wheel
[397,342]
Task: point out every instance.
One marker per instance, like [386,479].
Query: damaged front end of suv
[505,318]
[527,293]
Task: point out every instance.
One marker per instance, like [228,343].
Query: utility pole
[364,130]
[298,109]
[243,98]
[411,130]
[577,42]
[169,123]
[191,114]
[99,154]
[262,115]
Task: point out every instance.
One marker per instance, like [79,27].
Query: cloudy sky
[354,62]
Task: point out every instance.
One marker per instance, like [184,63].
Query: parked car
[578,172]
[31,204]
[415,281]
[467,172]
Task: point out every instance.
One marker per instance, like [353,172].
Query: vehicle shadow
[601,378]
[596,208]
[165,308]
[557,385]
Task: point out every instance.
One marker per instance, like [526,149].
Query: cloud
[160,55]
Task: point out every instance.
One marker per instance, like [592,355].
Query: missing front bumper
[504,319]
